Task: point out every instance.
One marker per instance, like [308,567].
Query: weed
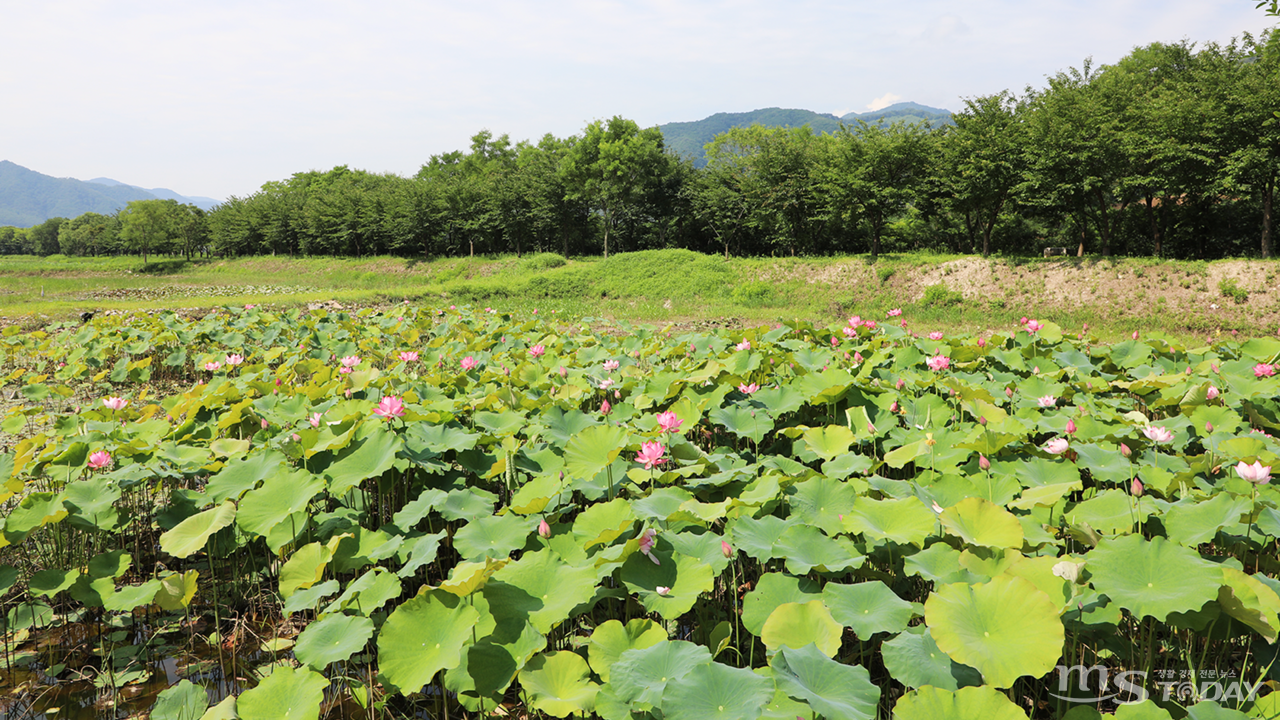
[1229,288]
[940,296]
[884,273]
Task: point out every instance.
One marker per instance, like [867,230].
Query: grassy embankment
[1114,296]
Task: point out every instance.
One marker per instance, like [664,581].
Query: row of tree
[1172,151]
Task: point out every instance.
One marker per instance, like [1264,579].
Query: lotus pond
[444,513]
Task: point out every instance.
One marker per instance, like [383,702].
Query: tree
[88,234]
[877,171]
[1252,146]
[43,238]
[146,224]
[982,161]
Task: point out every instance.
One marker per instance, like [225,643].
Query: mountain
[688,138]
[29,198]
[204,203]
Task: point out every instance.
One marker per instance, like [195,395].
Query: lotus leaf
[191,535]
[495,536]
[184,701]
[796,624]
[835,690]
[1152,577]
[932,703]
[423,636]
[867,607]
[642,674]
[540,588]
[558,684]
[286,694]
[906,521]
[611,638]
[983,523]
[332,638]
[773,590]
[915,660]
[716,692]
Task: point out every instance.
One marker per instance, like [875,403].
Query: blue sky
[216,98]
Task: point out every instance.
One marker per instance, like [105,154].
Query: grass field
[1113,296]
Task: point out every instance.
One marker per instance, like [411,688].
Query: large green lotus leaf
[467,504]
[830,441]
[413,511]
[1250,601]
[906,521]
[915,660]
[177,590]
[1005,628]
[35,510]
[716,692]
[310,598]
[367,593]
[1110,511]
[535,495]
[867,607]
[707,547]
[1145,710]
[423,636]
[773,590]
[363,546]
[332,638]
[489,666]
[1191,523]
[1153,577]
[820,502]
[756,536]
[372,451]
[685,577]
[564,426]
[92,503]
[495,536]
[805,548]
[507,422]
[796,624]
[190,535]
[1104,462]
[1212,710]
[592,450]
[303,568]
[641,675]
[846,465]
[127,598]
[421,550]
[559,684]
[745,422]
[438,438]
[540,588]
[611,638]
[281,495]
[986,563]
[1035,472]
[1039,571]
[932,703]
[468,577]
[1044,495]
[837,691]
[1224,419]
[661,503]
[111,564]
[286,694]
[242,475]
[184,701]
[47,583]
[983,523]
[602,523]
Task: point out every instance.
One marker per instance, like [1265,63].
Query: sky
[217,98]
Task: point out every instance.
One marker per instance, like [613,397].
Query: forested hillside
[29,198]
[1173,151]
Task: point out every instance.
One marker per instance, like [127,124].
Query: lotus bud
[900,383]
[725,549]
[1208,427]
[894,407]
[983,463]
[1188,369]
[1214,367]
[1136,488]
[1071,427]
[605,408]
[982,420]
[265,424]
[982,342]
[544,529]
[1211,393]
[1125,451]
[1008,392]
[1135,334]
[871,428]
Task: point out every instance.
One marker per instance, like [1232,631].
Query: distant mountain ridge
[29,198]
[688,138]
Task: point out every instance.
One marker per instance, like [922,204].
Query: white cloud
[883,101]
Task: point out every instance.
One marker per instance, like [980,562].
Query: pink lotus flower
[835,341]
[1211,393]
[894,407]
[1047,401]
[1023,321]
[606,383]
[390,407]
[1257,473]
[1156,433]
[469,363]
[900,383]
[1056,446]
[234,359]
[250,307]
[746,389]
[726,549]
[1208,428]
[869,324]
[662,590]
[983,463]
[857,358]
[537,351]
[563,372]
[212,366]
[344,371]
[1264,370]
[610,365]
[855,321]
[1135,334]
[1008,392]
[744,345]
[1136,487]
[647,540]
[314,420]
[350,361]
[409,356]
[1071,427]
[669,422]
[1125,451]
[1034,325]
[115,403]
[265,424]
[939,362]
[605,408]
[544,530]
[936,335]
[894,312]
[982,342]
[651,454]
[296,437]
[99,459]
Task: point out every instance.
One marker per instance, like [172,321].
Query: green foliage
[940,296]
[1229,288]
